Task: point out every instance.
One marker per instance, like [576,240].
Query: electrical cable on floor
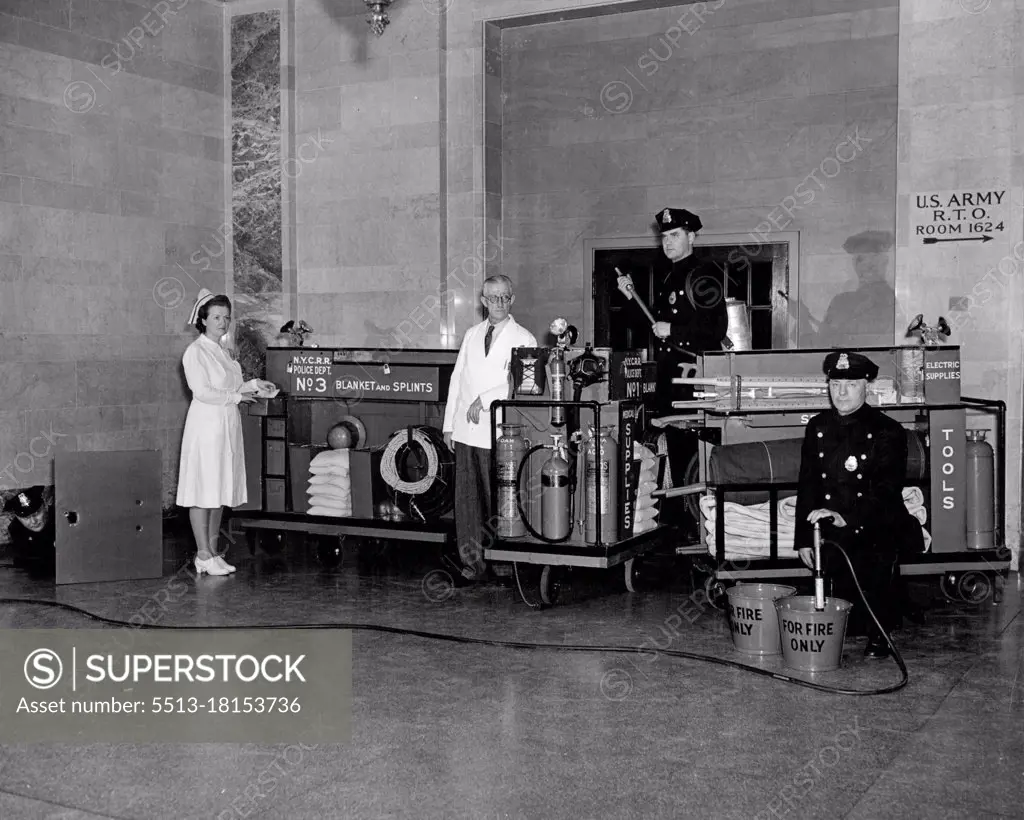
[440,636]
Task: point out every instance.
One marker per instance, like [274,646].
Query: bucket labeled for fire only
[812,641]
[753,619]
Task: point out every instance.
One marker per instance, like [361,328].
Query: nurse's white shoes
[211,566]
[223,563]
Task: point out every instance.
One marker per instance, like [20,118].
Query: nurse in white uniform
[211,473]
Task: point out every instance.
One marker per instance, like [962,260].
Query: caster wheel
[715,590]
[550,585]
[975,587]
[330,551]
[630,575]
[273,543]
[999,587]
[949,583]
[536,585]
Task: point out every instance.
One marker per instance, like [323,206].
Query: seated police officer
[852,470]
[32,530]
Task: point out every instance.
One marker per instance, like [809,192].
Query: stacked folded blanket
[330,485]
[645,508]
[748,528]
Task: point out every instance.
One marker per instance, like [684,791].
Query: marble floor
[449,730]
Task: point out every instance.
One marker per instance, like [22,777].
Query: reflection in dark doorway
[760,280]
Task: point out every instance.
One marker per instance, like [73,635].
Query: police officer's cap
[671,218]
[25,502]
[843,364]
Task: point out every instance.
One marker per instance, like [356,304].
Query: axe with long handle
[629,291]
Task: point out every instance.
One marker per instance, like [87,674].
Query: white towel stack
[645,508]
[330,485]
[747,528]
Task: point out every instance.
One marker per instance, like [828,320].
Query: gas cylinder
[554,492]
[601,460]
[509,453]
[980,492]
[556,378]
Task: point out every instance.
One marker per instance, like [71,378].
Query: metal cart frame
[968,575]
[536,564]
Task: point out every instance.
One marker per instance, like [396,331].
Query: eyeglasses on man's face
[499,300]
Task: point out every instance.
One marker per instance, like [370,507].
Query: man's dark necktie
[487,339]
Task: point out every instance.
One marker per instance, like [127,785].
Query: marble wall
[111,179]
[370,212]
[762,119]
[961,115]
[257,164]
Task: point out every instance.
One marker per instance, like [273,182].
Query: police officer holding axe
[689,317]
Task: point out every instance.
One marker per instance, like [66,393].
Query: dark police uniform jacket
[32,546]
[856,465]
[691,299]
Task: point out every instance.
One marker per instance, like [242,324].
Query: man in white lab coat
[481,376]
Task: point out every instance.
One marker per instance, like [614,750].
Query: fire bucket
[752,617]
[812,641]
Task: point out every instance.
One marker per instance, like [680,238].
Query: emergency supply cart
[560,506]
[752,407]
[386,410]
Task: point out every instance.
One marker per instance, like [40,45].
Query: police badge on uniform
[672,297]
[850,464]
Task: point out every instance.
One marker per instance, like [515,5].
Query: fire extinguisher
[557,489]
[601,479]
[980,492]
[510,452]
[555,495]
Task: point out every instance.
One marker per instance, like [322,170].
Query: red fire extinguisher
[555,498]
[980,492]
[601,473]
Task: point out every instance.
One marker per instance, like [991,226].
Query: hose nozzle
[819,573]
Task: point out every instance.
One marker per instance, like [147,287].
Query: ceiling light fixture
[378,18]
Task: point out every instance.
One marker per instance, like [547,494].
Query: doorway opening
[758,276]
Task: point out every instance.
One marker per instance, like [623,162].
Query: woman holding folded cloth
[211,473]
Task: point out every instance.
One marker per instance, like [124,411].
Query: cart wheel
[999,585]
[534,584]
[630,575]
[715,590]
[550,585]
[975,587]
[330,551]
[948,583]
[273,542]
